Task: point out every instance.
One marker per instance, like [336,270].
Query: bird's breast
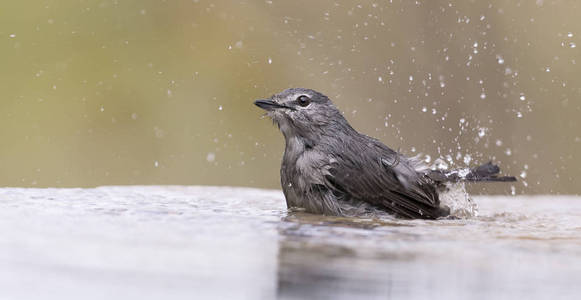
[288,180]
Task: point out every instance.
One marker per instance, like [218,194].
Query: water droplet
[508,152]
[12,35]
[411,78]
[428,159]
[522,97]
[211,157]
[572,45]
[512,190]
[483,96]
[102,109]
[220,107]
[569,34]
[547,69]
[523,174]
[424,109]
[441,164]
[380,79]
[156,164]
[518,114]
[467,159]
[433,111]
[499,59]
[482,131]
[269,60]
[498,143]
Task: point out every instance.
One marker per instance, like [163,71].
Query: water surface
[208,242]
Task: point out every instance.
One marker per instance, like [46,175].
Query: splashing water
[455,197]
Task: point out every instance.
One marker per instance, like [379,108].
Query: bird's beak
[269,105]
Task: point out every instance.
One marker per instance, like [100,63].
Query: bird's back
[369,171]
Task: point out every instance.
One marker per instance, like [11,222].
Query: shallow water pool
[173,242]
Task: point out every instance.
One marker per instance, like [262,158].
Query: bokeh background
[114,92]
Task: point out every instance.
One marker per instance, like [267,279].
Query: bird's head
[302,112]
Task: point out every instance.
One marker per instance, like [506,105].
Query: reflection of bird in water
[329,257]
[330,168]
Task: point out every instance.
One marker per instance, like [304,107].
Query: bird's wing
[369,171]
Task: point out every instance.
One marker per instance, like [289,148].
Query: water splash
[455,197]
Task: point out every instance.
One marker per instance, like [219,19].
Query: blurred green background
[117,92]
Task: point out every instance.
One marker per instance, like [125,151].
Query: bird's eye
[303,100]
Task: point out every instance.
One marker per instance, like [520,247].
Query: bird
[329,168]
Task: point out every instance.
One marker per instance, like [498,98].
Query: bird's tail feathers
[486,172]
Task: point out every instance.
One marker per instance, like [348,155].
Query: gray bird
[329,168]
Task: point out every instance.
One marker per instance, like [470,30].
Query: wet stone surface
[172,242]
